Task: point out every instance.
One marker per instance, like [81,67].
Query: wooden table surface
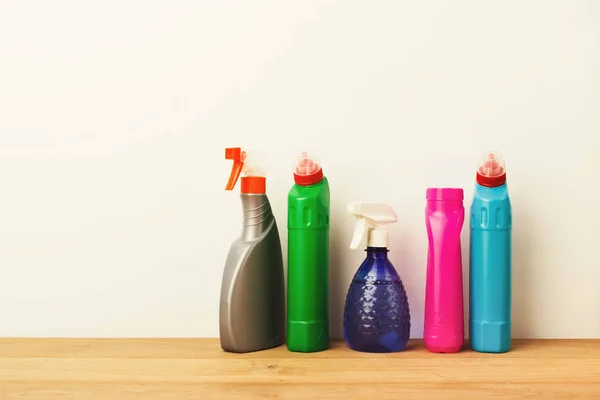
[181,369]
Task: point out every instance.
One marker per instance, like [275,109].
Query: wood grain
[181,369]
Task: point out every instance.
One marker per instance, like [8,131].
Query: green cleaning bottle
[308,258]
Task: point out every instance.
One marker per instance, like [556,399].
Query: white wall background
[114,117]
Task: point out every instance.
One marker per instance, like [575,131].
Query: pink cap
[445,194]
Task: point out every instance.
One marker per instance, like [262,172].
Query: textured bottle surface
[377,313]
[444,312]
[252,310]
[308,267]
[490,270]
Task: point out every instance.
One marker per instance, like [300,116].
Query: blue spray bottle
[376,314]
[490,259]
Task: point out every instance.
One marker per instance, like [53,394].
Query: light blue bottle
[490,259]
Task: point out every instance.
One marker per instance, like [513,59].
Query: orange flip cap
[237,155]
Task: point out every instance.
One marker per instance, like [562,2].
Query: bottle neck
[445,205]
[379,253]
[491,192]
[257,215]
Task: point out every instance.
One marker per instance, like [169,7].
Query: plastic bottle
[490,258]
[252,307]
[308,258]
[376,314]
[444,314]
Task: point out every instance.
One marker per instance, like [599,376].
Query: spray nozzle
[238,156]
[253,180]
[371,221]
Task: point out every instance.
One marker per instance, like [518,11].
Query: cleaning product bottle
[376,314]
[490,258]
[308,258]
[444,315]
[252,308]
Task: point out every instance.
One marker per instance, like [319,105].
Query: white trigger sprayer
[371,221]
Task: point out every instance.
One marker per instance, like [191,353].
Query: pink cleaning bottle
[444,316]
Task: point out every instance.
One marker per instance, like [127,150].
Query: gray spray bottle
[252,308]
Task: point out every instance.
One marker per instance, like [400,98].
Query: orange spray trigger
[238,156]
